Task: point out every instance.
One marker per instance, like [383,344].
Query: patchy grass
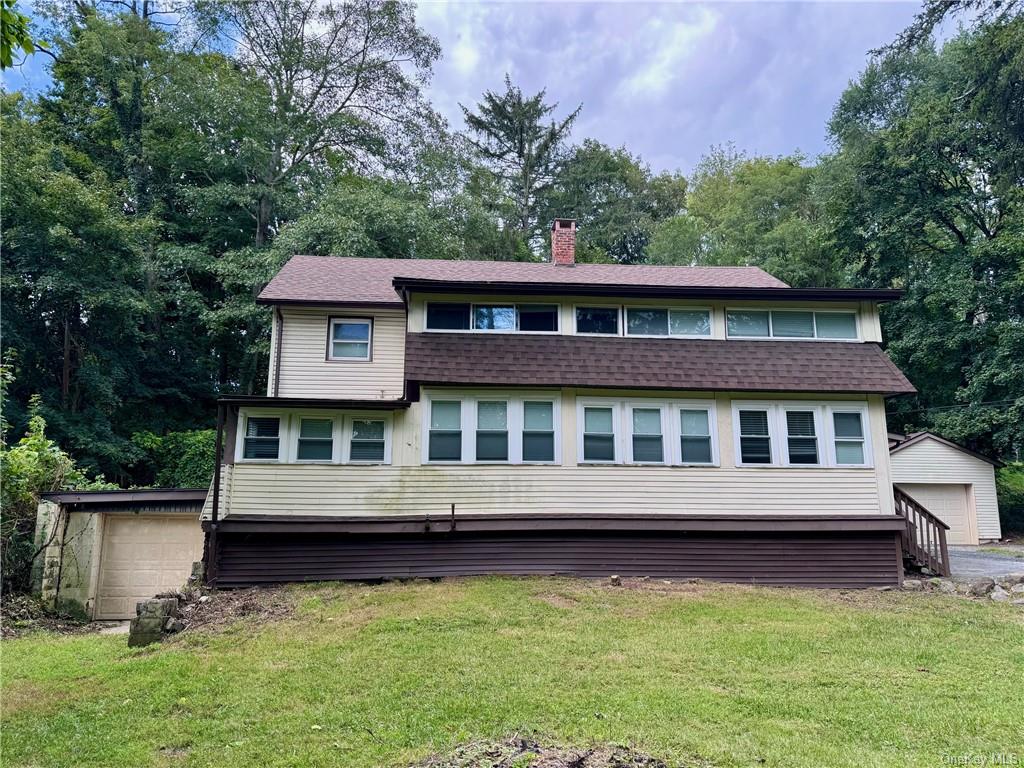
[386,675]
[1004,551]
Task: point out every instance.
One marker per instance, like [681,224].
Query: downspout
[277,350]
[211,565]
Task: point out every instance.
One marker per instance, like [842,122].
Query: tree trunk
[65,377]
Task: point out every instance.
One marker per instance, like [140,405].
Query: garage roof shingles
[692,364]
[344,280]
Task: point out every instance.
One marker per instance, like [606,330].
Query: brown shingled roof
[343,280]
[691,364]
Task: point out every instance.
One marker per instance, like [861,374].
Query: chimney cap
[560,223]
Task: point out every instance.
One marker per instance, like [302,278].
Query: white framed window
[698,438]
[686,322]
[598,433]
[793,324]
[314,437]
[801,434]
[491,428]
[315,441]
[538,431]
[444,440]
[261,439]
[647,437]
[597,320]
[753,432]
[350,339]
[802,430]
[448,316]
[850,446]
[368,440]
[647,431]
[494,317]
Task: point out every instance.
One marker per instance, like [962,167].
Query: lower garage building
[951,481]
[104,551]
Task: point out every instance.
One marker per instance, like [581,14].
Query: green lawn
[385,675]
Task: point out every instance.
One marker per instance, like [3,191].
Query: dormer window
[497,317]
[350,338]
[598,320]
[791,324]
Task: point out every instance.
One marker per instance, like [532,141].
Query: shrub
[1010,488]
[33,466]
[178,459]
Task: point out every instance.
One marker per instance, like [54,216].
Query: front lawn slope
[385,675]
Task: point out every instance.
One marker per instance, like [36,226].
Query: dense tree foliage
[523,152]
[615,199]
[925,193]
[757,211]
[178,159]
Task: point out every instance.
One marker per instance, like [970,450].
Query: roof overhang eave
[420,285]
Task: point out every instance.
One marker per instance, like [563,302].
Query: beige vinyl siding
[303,489]
[306,371]
[409,488]
[930,461]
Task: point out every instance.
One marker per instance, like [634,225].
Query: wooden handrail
[924,539]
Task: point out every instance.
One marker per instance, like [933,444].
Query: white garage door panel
[142,556]
[951,504]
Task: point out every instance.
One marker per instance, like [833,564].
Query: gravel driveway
[970,561]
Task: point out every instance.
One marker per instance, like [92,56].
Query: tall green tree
[339,86]
[925,193]
[615,199]
[755,211]
[523,148]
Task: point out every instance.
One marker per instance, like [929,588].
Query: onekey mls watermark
[985,759]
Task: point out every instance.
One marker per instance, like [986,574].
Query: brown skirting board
[813,558]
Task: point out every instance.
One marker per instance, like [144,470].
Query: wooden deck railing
[924,540]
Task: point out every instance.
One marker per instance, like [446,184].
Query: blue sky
[667,80]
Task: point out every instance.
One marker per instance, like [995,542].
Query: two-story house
[429,418]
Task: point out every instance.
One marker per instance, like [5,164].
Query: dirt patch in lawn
[526,752]
[22,614]
[214,610]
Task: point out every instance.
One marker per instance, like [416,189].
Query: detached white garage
[951,481]
[107,550]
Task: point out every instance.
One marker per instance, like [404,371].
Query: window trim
[711,406]
[616,408]
[345,436]
[468,400]
[472,316]
[334,439]
[597,305]
[817,415]
[778,432]
[290,429]
[340,320]
[507,430]
[814,319]
[556,446]
[515,317]
[466,435]
[866,438]
[665,448]
[669,335]
[671,429]
[282,436]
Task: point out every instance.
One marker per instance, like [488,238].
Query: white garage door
[143,555]
[950,503]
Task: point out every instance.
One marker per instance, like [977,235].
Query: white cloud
[665,47]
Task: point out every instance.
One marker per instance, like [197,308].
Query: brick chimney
[563,242]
